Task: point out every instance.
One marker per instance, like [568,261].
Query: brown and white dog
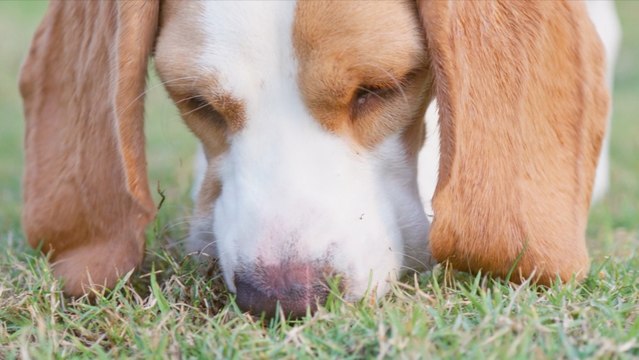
[311,117]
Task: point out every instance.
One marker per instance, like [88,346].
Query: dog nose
[297,288]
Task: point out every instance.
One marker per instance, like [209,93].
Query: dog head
[311,131]
[311,117]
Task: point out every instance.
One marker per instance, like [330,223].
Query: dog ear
[86,194]
[522,104]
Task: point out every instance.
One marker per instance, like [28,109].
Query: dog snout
[297,287]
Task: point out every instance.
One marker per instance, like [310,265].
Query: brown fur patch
[86,196]
[522,110]
[363,69]
[196,92]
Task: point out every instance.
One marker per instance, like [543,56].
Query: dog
[310,115]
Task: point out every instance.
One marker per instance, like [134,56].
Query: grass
[173,308]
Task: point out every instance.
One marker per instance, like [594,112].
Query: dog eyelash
[199,105]
[365,94]
[367,98]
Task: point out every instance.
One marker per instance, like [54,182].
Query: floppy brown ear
[523,103]
[86,195]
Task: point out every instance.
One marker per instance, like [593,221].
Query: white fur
[428,163]
[291,190]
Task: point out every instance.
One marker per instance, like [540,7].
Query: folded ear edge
[136,33]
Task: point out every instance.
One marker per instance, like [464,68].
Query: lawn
[173,308]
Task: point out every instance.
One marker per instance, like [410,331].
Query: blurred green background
[614,222]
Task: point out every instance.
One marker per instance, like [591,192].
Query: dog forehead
[355,34]
[248,28]
[241,43]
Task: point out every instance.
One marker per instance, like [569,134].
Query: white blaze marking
[289,188]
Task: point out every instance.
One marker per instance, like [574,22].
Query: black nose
[297,287]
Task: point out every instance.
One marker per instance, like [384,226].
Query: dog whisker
[415,259]
[398,85]
[148,89]
[187,99]
[196,109]
[370,92]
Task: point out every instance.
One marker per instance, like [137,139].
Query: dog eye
[368,97]
[201,107]
[197,104]
[365,94]
[362,96]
